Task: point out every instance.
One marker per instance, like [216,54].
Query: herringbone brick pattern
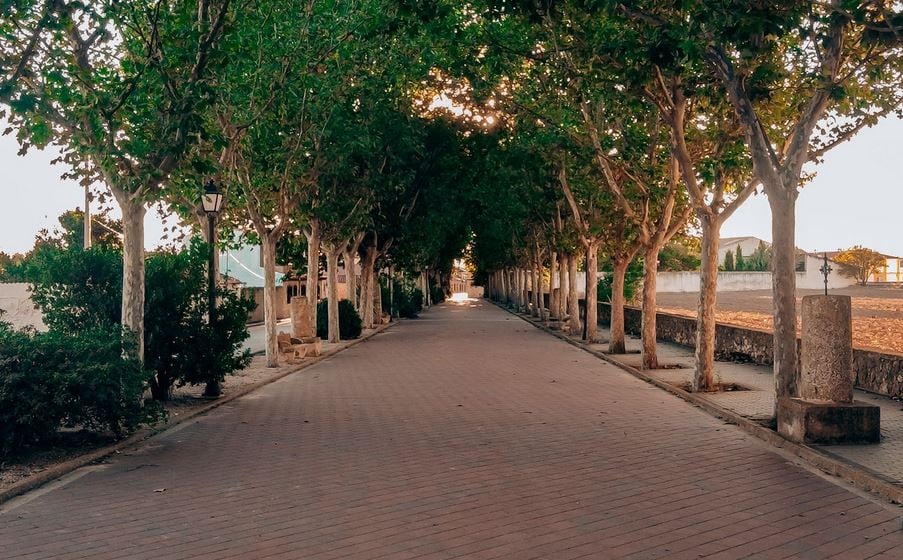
[464,434]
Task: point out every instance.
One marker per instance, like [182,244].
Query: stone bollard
[826,355]
[825,411]
[302,325]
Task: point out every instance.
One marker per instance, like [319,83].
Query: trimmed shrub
[350,324]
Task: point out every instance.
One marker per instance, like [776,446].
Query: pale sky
[856,199]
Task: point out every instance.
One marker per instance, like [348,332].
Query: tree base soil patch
[719,387]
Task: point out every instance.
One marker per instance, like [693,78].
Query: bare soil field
[877,312]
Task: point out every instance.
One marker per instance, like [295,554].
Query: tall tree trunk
[351,279]
[86,222]
[541,291]
[553,295]
[617,342]
[133,212]
[648,327]
[368,264]
[704,376]
[313,268]
[561,311]
[534,292]
[332,294]
[573,298]
[783,232]
[268,247]
[377,299]
[518,289]
[592,275]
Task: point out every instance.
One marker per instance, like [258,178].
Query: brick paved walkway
[465,434]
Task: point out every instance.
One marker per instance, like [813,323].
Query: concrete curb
[62,469]
[861,477]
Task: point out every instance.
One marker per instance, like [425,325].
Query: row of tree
[637,118]
[306,114]
[572,130]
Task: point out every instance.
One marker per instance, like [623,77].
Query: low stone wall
[876,371]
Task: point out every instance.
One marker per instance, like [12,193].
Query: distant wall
[283,310]
[19,310]
[744,281]
[876,371]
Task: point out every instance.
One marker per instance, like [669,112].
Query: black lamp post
[212,202]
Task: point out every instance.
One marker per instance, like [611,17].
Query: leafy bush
[181,345]
[437,294]
[55,379]
[75,289]
[632,281]
[679,256]
[78,289]
[405,300]
[350,324]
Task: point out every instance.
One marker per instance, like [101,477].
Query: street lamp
[212,203]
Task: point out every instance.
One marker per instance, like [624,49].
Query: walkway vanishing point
[465,434]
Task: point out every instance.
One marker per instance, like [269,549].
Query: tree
[801,77]
[860,263]
[569,87]
[276,97]
[729,261]
[681,254]
[739,262]
[117,87]
[760,260]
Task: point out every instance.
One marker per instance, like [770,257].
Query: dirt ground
[877,312]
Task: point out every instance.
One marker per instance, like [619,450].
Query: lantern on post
[212,202]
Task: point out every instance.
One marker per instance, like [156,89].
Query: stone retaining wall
[876,371]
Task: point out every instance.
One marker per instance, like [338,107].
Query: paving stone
[463,434]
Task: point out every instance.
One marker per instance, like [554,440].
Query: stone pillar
[825,411]
[302,325]
[826,355]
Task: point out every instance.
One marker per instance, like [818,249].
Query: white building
[809,274]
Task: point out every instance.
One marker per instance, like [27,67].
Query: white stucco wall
[812,279]
[19,310]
